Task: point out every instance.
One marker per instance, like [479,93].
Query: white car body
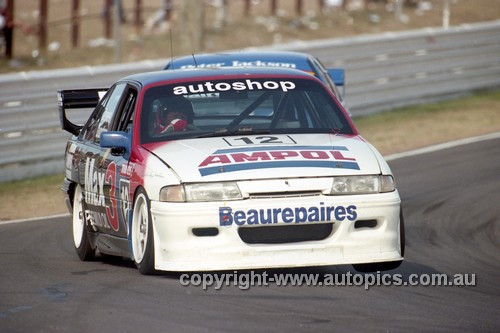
[178,249]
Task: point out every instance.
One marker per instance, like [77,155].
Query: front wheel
[142,234]
[80,234]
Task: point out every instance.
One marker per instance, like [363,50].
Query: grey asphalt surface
[451,202]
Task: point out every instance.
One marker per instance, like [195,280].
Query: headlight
[362,184]
[173,194]
[201,192]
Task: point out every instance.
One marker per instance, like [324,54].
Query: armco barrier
[382,72]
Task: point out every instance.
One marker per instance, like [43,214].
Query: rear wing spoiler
[77,99]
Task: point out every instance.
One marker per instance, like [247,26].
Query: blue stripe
[272,148]
[280,164]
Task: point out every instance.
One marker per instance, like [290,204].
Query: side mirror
[338,77]
[119,142]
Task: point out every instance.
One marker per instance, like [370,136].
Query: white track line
[34,219]
[392,157]
[442,146]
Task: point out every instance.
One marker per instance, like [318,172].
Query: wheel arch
[131,214]
[68,187]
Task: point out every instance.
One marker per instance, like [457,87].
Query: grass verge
[419,126]
[391,132]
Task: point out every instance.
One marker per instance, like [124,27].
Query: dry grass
[420,126]
[35,197]
[390,132]
[240,31]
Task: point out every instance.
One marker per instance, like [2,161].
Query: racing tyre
[388,265]
[142,234]
[81,241]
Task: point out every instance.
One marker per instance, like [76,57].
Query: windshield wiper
[226,132]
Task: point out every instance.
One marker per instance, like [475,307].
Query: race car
[333,78]
[226,169]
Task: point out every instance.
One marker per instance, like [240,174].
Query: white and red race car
[224,169]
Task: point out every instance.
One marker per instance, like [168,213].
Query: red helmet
[176,104]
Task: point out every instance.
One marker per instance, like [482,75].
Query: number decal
[112,211]
[259,140]
[245,140]
[124,205]
[269,139]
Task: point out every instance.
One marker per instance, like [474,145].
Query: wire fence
[71,15]
[54,24]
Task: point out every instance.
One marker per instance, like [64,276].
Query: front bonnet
[266,157]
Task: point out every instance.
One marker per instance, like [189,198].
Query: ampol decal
[237,159]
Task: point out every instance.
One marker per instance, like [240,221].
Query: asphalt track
[451,199]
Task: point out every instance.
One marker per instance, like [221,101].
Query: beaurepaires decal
[320,213]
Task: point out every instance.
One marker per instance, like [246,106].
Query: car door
[99,167]
[114,164]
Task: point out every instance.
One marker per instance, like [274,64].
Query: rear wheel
[388,265]
[80,235]
[142,234]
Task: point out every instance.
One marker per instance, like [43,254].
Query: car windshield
[239,106]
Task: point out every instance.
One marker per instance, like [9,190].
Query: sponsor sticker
[237,63]
[106,194]
[248,158]
[321,213]
[210,87]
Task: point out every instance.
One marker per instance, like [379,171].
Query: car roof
[271,58]
[209,73]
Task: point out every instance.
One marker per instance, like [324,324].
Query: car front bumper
[372,235]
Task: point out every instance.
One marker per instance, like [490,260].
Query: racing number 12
[263,139]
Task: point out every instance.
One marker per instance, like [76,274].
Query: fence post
[106,15]
[42,25]
[138,16]
[247,8]
[274,5]
[9,29]
[75,23]
[321,4]
[168,9]
[117,21]
[298,7]
[446,14]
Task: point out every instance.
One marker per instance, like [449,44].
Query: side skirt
[111,245]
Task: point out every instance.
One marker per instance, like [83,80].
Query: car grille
[274,195]
[285,233]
